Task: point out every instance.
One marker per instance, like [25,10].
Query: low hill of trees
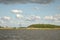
[43,26]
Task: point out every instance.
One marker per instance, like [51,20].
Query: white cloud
[57,21]
[1,22]
[33,18]
[55,18]
[48,17]
[16,11]
[37,17]
[19,16]
[6,18]
[28,19]
[12,21]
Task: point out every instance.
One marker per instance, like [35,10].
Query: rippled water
[24,34]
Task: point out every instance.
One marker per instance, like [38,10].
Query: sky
[22,13]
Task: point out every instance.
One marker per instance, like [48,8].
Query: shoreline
[30,28]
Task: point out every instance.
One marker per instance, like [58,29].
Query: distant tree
[14,27]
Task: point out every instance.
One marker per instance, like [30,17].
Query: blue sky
[20,14]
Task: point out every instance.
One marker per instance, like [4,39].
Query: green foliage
[43,26]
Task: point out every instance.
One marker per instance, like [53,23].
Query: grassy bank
[30,29]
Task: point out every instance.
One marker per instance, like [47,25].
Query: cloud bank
[25,1]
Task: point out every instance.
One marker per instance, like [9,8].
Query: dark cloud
[25,1]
